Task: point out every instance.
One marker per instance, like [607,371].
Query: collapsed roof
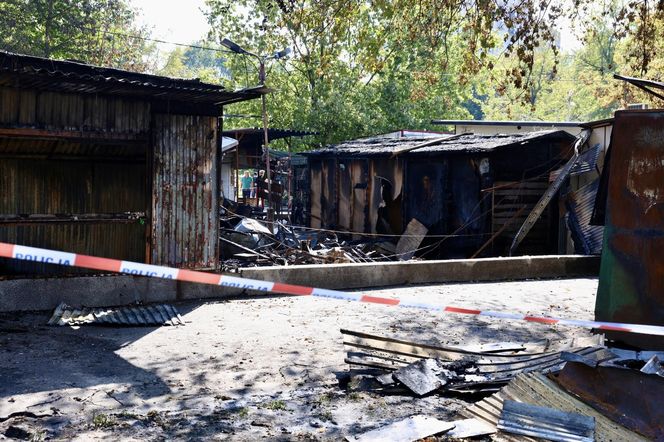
[464,143]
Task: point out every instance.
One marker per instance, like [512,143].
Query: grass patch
[102,421]
[275,405]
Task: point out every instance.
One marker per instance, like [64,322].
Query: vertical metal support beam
[237,173]
[216,199]
[149,187]
[291,199]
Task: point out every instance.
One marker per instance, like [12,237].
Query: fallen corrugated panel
[407,430]
[629,397]
[537,389]
[580,204]
[363,340]
[489,369]
[587,162]
[158,314]
[545,422]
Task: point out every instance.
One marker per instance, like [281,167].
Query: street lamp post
[234,47]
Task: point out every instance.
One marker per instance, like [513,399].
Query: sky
[177,21]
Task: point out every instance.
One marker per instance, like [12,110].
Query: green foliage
[92,31]
[362,67]
[349,75]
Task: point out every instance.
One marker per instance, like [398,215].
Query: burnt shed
[470,191]
[109,163]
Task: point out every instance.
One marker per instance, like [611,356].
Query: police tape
[154,271]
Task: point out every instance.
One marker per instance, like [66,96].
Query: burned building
[469,192]
[109,163]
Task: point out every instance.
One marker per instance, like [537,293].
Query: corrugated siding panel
[61,111]
[49,187]
[580,205]
[185,223]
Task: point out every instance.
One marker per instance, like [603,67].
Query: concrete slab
[385,274]
[108,290]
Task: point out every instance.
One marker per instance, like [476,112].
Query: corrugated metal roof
[536,389]
[158,314]
[70,76]
[466,143]
[545,422]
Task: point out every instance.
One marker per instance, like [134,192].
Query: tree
[102,32]
[350,73]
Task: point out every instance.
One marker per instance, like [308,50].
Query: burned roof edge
[377,147]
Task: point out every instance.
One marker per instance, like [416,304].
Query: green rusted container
[631,286]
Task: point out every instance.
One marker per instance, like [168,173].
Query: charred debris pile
[574,390]
[248,242]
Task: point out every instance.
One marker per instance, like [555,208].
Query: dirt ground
[248,369]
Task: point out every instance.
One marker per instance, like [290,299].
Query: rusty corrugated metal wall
[185,231]
[631,285]
[56,175]
[61,111]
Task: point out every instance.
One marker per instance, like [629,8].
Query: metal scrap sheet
[629,397]
[158,314]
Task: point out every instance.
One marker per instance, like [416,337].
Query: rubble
[553,390]
[251,243]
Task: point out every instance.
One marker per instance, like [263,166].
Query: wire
[349,232]
[137,37]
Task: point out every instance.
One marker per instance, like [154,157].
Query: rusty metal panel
[631,286]
[315,212]
[535,388]
[74,112]
[628,397]
[66,187]
[185,228]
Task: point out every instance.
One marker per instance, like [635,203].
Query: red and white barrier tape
[133,268]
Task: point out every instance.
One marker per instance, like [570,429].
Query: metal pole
[290,184]
[261,78]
